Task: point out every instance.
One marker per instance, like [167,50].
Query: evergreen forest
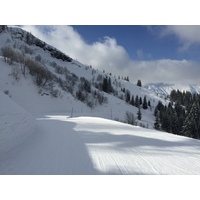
[181,116]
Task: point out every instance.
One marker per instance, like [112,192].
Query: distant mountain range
[164,89]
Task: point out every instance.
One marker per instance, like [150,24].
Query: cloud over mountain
[108,55]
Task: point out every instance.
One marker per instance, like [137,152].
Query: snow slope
[88,145]
[25,93]
[164,89]
[85,143]
[16,125]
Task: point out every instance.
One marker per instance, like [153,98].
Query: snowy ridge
[17,33]
[164,89]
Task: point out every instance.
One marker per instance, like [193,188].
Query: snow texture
[88,145]
[16,125]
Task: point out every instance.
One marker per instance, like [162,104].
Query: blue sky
[134,39]
[168,54]
[141,42]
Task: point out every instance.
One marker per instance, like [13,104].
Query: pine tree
[160,106]
[157,122]
[140,101]
[132,102]
[139,114]
[182,115]
[137,103]
[165,121]
[110,88]
[156,111]
[123,90]
[127,96]
[175,123]
[190,127]
[198,126]
[105,84]
[139,83]
[149,103]
[144,105]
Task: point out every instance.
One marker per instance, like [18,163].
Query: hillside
[163,89]
[66,84]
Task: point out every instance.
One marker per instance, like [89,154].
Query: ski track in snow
[86,145]
[53,149]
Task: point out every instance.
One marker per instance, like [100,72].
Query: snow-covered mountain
[69,85]
[57,117]
[164,89]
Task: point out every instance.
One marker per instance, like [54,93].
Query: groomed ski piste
[37,142]
[58,144]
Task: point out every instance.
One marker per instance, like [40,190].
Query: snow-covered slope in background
[163,89]
[16,125]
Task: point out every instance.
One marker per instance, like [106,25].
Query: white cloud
[187,34]
[166,70]
[140,53]
[109,56]
[105,54]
